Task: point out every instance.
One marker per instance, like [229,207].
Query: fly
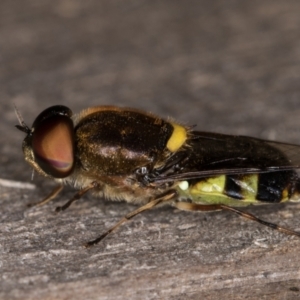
[127,154]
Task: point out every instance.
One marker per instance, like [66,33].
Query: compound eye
[53,145]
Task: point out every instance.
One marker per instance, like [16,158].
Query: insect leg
[76,197]
[163,198]
[48,198]
[253,218]
[196,207]
[199,207]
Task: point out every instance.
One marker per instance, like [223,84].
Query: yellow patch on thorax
[177,138]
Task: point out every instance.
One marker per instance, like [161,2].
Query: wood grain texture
[227,66]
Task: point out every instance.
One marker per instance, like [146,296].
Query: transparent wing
[211,154]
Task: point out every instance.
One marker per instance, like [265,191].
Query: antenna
[23,127]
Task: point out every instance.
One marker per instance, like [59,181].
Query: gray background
[227,66]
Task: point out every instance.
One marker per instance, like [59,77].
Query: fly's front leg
[57,190]
[77,196]
[48,198]
[160,199]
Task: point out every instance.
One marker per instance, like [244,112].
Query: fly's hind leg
[199,207]
[265,223]
[162,198]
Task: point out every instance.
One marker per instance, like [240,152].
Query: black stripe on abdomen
[232,188]
[271,185]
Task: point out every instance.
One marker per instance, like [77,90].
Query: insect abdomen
[243,189]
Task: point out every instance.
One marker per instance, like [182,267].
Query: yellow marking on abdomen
[285,195]
[177,138]
[213,185]
[213,191]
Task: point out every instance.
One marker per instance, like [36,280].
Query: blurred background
[226,66]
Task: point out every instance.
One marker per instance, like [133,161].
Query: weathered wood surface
[228,66]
